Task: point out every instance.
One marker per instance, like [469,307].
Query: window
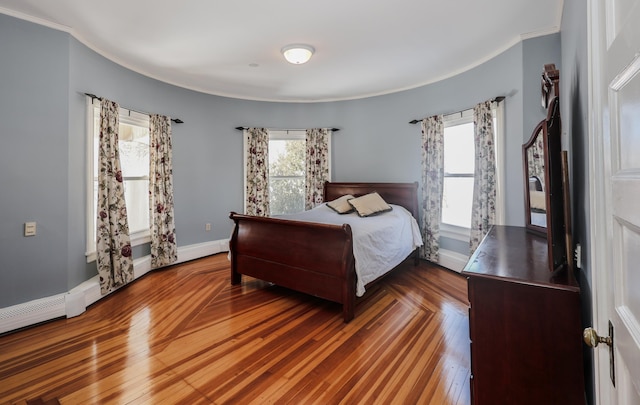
[459,162]
[286,171]
[133,145]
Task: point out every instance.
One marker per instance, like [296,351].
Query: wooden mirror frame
[536,219]
[550,131]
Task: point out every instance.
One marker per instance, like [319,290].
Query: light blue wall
[382,135]
[575,128]
[34,84]
[44,73]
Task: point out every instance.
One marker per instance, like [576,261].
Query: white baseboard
[75,302]
[452,260]
[199,250]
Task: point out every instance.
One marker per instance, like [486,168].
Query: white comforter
[380,242]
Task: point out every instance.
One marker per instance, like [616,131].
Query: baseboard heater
[76,301]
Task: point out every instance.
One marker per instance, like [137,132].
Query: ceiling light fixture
[297,54]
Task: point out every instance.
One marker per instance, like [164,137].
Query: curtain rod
[288,129]
[93,96]
[497,100]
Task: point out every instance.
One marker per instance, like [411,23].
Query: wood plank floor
[184,335]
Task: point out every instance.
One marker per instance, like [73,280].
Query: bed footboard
[312,258]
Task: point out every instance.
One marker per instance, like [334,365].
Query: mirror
[543,174]
[535,191]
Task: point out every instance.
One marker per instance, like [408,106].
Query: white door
[615,194]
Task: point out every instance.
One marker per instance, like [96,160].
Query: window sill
[137,238]
[455,232]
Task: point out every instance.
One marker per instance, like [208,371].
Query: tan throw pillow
[341,204]
[370,204]
[537,200]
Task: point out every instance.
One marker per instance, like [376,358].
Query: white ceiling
[232,47]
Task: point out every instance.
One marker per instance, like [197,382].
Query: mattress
[380,242]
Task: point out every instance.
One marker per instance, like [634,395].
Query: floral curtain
[257,153]
[113,246]
[483,213]
[432,184]
[317,165]
[164,249]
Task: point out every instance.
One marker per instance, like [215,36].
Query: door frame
[598,230]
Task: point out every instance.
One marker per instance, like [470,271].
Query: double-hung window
[459,167]
[286,171]
[133,144]
[459,161]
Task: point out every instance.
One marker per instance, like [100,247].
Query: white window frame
[126,117]
[448,230]
[497,109]
[292,135]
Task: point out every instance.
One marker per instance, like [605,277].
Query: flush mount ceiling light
[297,54]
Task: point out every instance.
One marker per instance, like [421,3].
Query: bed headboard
[404,194]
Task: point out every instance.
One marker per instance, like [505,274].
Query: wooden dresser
[524,324]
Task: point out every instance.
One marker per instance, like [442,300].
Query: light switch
[29,229]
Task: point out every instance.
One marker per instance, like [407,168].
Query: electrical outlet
[207,227]
[578,256]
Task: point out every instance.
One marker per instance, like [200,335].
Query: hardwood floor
[185,335]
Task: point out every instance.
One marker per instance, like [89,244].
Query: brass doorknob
[592,339]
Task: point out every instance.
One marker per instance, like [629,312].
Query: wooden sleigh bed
[308,257]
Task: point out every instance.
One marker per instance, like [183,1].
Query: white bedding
[380,242]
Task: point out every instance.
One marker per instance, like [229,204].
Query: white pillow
[370,204]
[341,205]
